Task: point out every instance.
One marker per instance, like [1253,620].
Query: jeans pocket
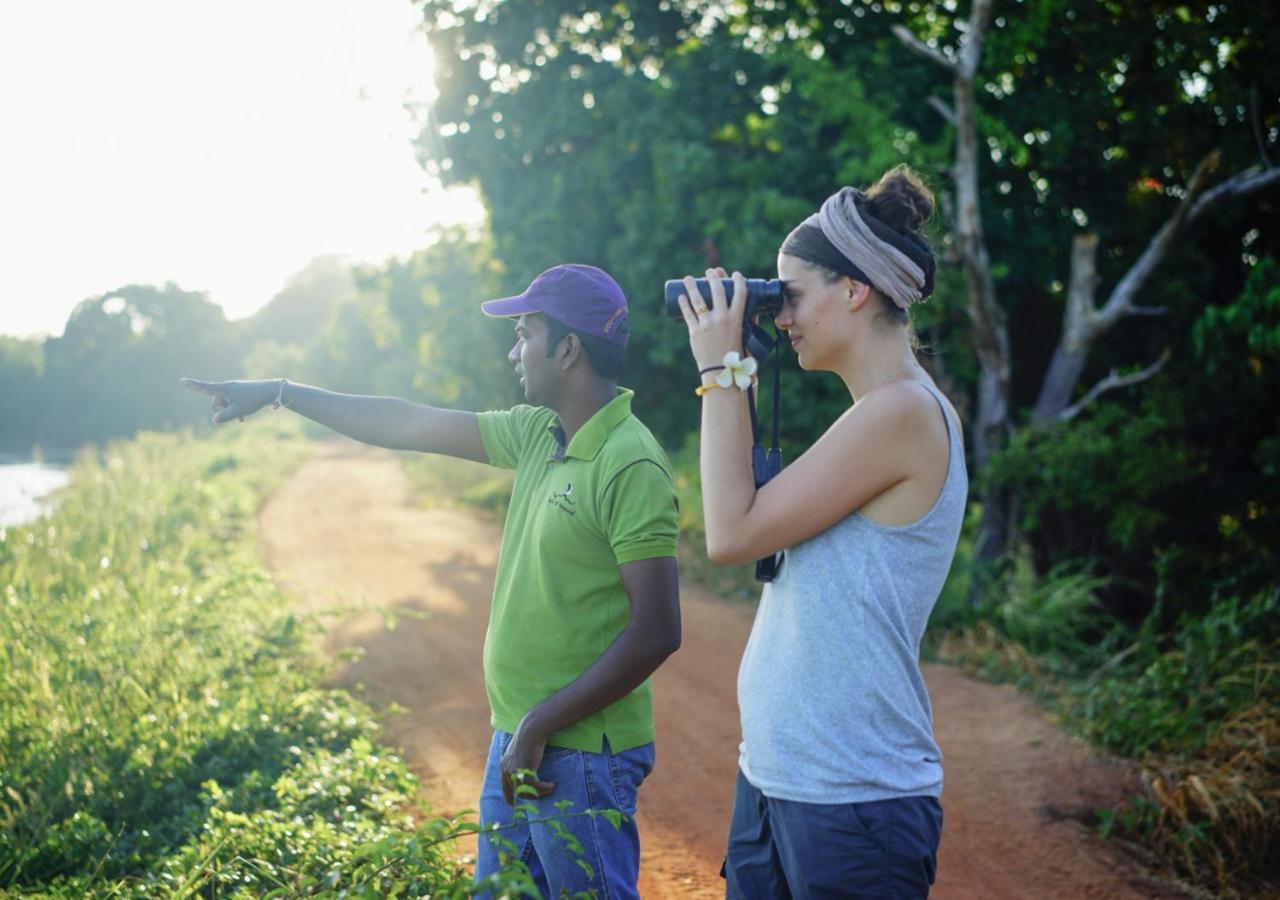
[626,772]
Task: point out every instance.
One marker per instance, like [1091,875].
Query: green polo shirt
[577,513]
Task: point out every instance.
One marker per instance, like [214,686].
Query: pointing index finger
[204,387]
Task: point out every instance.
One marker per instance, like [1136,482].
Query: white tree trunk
[991,336]
[1083,322]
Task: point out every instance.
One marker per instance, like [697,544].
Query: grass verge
[163,731]
[1196,709]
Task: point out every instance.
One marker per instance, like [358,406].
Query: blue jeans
[604,780]
[781,849]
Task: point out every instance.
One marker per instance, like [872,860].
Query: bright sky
[221,146]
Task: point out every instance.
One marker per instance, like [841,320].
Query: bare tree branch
[1256,116]
[916,45]
[1072,352]
[943,110]
[1126,290]
[1239,185]
[1110,383]
[1083,322]
[1081,285]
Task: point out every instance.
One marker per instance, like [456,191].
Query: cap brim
[507,307]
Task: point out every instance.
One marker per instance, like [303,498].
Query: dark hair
[900,201]
[606,357]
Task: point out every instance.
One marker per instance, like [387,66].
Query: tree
[653,143]
[1172,489]
[21,367]
[1084,322]
[702,131]
[302,309]
[425,313]
[115,368]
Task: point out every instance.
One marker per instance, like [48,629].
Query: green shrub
[1172,692]
[1009,623]
[162,730]
[1200,708]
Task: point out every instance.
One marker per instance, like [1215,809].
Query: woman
[839,774]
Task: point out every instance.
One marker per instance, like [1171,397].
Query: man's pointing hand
[235,399]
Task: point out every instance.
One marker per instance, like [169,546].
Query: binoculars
[764,295]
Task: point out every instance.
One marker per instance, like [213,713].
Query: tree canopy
[655,140]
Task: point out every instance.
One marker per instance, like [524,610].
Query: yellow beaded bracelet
[702,389]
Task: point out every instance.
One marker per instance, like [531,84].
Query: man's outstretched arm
[652,635]
[381,421]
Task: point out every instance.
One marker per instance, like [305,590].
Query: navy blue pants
[784,849]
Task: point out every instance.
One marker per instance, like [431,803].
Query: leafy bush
[1172,487]
[1171,693]
[161,727]
[1009,623]
[1201,708]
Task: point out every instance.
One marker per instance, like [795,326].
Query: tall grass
[162,727]
[1197,710]
[1200,709]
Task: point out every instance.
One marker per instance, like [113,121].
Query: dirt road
[343,531]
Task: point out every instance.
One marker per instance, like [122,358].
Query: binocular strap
[765,465]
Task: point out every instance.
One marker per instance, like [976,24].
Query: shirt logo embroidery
[563,500]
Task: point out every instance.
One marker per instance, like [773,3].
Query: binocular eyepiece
[764,295]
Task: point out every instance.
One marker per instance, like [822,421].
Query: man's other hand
[520,765]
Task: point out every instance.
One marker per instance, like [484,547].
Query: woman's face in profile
[810,311]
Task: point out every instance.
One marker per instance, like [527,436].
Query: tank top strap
[953,424]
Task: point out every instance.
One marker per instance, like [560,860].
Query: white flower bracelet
[736,371]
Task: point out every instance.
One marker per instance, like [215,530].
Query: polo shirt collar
[591,436]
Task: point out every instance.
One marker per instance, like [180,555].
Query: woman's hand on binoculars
[715,327]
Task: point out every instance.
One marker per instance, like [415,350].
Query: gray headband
[891,271]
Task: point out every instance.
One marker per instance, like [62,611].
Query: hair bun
[901,200]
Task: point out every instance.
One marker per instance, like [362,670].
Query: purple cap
[583,297]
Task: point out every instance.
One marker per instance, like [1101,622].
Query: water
[24,490]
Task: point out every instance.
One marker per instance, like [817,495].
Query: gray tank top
[833,705]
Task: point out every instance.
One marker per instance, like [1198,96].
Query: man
[586,602]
